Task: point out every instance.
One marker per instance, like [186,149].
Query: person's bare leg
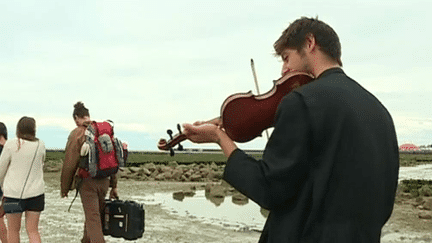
[14,226]
[32,226]
[3,231]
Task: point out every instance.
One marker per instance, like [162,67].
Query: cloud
[413,129]
[148,65]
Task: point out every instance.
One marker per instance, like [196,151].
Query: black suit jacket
[329,171]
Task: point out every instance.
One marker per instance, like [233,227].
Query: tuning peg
[170,132]
[180,147]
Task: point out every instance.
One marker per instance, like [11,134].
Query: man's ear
[310,43]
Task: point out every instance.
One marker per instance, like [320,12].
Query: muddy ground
[403,226]
[58,225]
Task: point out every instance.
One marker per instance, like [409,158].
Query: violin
[245,116]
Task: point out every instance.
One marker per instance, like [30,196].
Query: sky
[150,65]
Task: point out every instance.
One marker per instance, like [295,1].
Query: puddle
[422,172]
[59,225]
[216,210]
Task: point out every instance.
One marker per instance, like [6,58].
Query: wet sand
[166,225]
[161,225]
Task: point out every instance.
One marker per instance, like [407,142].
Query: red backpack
[105,153]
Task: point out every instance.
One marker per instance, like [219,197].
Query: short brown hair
[295,36]
[80,110]
[26,128]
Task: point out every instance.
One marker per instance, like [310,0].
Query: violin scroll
[173,141]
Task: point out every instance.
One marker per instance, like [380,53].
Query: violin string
[257,87]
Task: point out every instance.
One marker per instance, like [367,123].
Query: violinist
[329,170]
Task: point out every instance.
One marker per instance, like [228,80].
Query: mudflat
[409,222]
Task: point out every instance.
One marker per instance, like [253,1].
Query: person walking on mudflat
[92,190]
[329,171]
[21,176]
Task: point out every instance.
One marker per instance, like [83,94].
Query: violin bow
[256,85]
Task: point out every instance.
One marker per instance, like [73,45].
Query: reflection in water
[180,195]
[236,212]
[240,199]
[215,200]
[216,195]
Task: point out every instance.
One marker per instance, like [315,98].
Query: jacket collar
[330,71]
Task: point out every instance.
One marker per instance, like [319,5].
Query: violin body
[245,116]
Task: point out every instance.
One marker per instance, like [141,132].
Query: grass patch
[54,155]
[417,187]
[158,158]
[137,158]
[181,158]
[408,159]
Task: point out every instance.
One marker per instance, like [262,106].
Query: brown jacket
[72,157]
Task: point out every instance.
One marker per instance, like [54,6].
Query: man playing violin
[329,171]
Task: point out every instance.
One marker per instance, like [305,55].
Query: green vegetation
[181,158]
[54,155]
[137,158]
[411,159]
[417,187]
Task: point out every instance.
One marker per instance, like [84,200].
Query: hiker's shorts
[36,204]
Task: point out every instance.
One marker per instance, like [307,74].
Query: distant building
[409,147]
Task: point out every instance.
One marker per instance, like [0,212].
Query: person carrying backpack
[92,189]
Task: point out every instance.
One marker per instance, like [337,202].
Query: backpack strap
[78,187]
[119,152]
[90,134]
